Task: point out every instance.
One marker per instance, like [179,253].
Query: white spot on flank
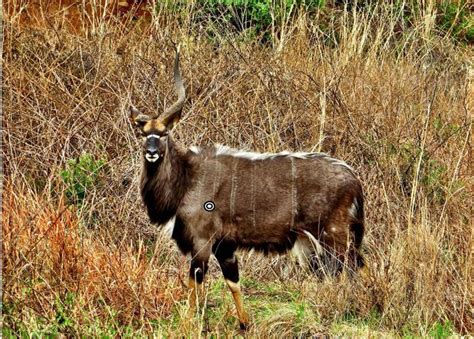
[169,226]
[333,229]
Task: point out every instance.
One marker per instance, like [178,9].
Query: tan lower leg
[237,294]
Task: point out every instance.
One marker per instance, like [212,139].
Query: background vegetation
[387,86]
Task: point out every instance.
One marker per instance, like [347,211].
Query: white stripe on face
[153,136]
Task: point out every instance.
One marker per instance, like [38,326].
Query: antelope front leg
[196,291]
[197,272]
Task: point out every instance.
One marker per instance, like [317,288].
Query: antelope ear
[137,118]
[171,121]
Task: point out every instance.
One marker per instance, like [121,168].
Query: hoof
[244,321]
[243,326]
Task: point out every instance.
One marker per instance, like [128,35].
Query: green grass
[268,303]
[384,88]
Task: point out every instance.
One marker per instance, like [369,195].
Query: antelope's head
[155,129]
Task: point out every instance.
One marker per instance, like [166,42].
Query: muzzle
[151,145]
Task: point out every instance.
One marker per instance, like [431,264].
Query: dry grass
[396,105]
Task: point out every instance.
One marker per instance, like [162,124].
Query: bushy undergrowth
[390,98]
[80,175]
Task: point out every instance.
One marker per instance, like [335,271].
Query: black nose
[152,145]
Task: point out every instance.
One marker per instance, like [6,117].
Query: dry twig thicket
[79,257]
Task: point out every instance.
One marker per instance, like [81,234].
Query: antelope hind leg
[224,253]
[239,304]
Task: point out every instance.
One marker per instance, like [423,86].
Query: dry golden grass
[396,105]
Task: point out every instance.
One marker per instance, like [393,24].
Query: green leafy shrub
[442,330]
[80,176]
[250,17]
[455,19]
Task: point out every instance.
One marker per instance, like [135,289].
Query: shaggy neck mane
[164,184]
